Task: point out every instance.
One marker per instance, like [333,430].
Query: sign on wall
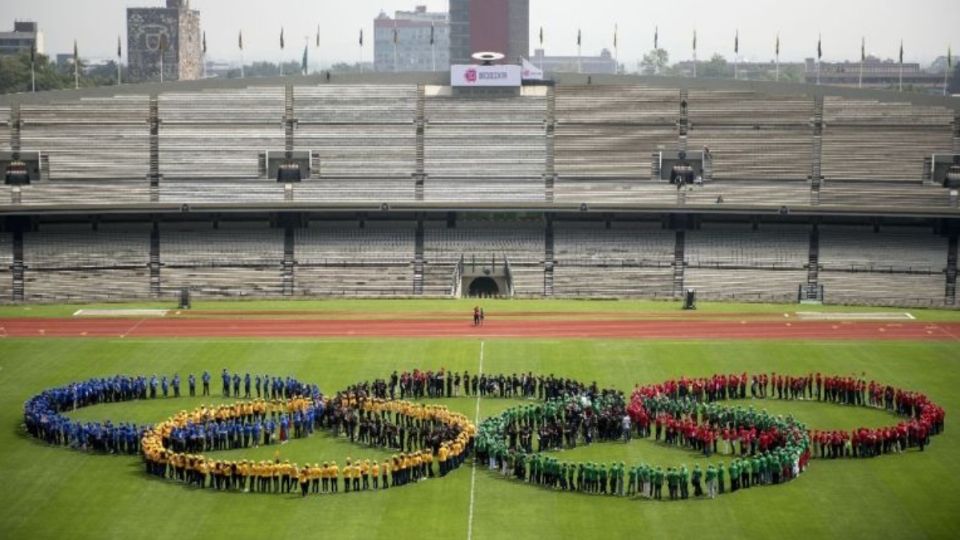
[472,75]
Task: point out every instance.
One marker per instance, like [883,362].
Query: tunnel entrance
[484,287]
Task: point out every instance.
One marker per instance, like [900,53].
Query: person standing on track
[476,315]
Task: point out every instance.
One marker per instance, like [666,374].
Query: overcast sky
[926,26]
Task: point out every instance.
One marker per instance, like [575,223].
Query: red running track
[624,329]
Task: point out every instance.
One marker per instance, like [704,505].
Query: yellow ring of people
[284,477]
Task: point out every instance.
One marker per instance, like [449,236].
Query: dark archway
[484,286]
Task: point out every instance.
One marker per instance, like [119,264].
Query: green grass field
[51,492]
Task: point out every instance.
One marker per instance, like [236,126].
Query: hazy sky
[926,26]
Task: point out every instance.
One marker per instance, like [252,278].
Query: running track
[613,328]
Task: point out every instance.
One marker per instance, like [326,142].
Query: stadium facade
[410,188]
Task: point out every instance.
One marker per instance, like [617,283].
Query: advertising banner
[471,75]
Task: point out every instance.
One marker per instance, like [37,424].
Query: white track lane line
[473,472]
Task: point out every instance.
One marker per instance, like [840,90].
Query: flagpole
[901,65]
[946,71]
[579,52]
[119,60]
[694,53]
[616,50]
[76,66]
[396,61]
[778,57]
[736,57]
[33,67]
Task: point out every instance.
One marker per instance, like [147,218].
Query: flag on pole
[240,40]
[303,62]
[694,41]
[615,32]
[778,45]
[901,51]
[395,36]
[281,38]
[949,57]
[819,47]
[433,31]
[76,65]
[579,37]
[863,49]
[119,49]
[318,37]
[541,37]
[33,52]
[204,42]
[361,37]
[656,37]
[736,43]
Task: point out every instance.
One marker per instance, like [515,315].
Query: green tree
[714,69]
[655,62]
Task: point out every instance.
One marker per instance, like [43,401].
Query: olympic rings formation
[683,413]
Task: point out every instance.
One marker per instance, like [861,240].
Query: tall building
[25,35]
[178,28]
[413,51]
[501,26]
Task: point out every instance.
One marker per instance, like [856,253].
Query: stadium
[764,271]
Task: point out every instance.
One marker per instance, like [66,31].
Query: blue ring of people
[746,446]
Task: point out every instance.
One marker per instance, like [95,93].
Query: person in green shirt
[720,471]
[697,475]
[734,475]
[632,482]
[711,478]
[672,483]
[684,482]
[658,484]
[644,474]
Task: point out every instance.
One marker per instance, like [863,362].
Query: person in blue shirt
[259,381]
[192,383]
[246,386]
[236,385]
[225,377]
[176,385]
[153,387]
[206,383]
[165,386]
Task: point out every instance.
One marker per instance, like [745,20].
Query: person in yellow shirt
[334,474]
[347,475]
[442,458]
[325,477]
[375,473]
[303,475]
[365,474]
[428,463]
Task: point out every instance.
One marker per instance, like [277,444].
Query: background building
[413,49]
[489,25]
[179,27]
[877,73]
[605,63]
[25,34]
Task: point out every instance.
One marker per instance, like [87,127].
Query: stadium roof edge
[442,79]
